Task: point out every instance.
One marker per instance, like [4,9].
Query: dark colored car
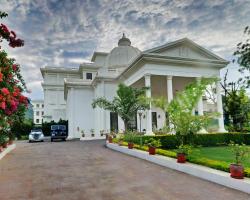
[58,132]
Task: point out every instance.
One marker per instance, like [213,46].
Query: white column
[170,88]
[149,113]
[170,96]
[220,108]
[200,107]
[200,102]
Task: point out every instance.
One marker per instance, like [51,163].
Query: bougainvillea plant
[12,102]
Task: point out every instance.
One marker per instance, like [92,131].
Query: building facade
[38,111]
[167,69]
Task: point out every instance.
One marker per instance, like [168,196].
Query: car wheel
[29,141]
[42,141]
[51,140]
[64,139]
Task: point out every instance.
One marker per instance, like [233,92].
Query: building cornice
[98,53]
[158,58]
[75,83]
[63,70]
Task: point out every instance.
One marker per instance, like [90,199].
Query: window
[37,113]
[89,76]
[42,113]
[37,105]
[37,120]
[42,105]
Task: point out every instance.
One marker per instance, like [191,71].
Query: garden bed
[216,176]
[201,159]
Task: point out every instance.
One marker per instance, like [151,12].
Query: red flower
[5,91]
[14,67]
[3,105]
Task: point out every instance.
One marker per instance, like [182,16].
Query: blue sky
[66,32]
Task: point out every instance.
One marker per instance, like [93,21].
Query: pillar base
[149,133]
[202,131]
[222,130]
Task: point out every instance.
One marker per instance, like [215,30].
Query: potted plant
[129,137]
[101,132]
[240,153]
[92,132]
[83,134]
[120,138]
[182,153]
[111,135]
[152,145]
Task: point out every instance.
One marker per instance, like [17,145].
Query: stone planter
[181,157]
[110,140]
[151,150]
[237,171]
[130,145]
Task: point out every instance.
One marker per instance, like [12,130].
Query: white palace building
[166,69]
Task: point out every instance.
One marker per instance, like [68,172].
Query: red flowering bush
[12,103]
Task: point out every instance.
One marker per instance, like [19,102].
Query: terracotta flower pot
[1,149]
[10,142]
[5,145]
[130,145]
[181,157]
[237,171]
[151,150]
[110,139]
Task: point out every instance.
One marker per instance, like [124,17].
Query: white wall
[53,86]
[80,112]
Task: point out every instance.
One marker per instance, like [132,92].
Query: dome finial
[124,41]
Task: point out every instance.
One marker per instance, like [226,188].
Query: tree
[243,51]
[236,103]
[180,110]
[12,102]
[126,104]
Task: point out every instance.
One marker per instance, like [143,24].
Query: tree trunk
[125,126]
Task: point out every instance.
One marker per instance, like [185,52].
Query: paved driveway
[87,170]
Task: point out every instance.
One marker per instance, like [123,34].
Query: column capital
[147,75]
[169,77]
[198,79]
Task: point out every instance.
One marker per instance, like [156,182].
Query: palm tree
[126,104]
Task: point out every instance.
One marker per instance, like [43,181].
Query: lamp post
[140,112]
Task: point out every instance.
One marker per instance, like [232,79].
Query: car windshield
[62,127]
[36,130]
[54,127]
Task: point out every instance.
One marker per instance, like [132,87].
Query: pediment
[185,48]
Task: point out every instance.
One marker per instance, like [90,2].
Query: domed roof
[120,56]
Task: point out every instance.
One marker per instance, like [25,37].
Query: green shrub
[153,142]
[213,139]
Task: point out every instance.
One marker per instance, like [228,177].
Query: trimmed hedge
[206,140]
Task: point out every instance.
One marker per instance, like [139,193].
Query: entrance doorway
[154,120]
[114,121]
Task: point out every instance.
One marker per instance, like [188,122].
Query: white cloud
[52,27]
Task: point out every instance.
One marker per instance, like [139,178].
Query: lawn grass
[218,153]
